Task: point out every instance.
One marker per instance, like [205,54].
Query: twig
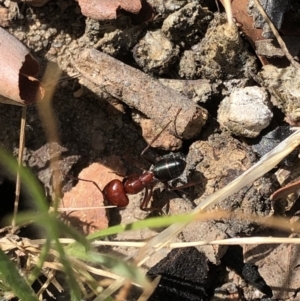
[20,160]
[102,72]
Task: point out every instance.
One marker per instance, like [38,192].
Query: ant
[115,192]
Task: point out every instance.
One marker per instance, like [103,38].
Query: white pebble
[245,112]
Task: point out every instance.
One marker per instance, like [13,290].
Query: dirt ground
[181,46]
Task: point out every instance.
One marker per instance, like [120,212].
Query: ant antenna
[155,138]
[163,129]
[84,180]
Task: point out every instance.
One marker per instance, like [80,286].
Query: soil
[187,46]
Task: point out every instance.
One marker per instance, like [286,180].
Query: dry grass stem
[110,290]
[84,208]
[239,241]
[123,293]
[148,292]
[276,34]
[46,113]
[228,9]
[20,162]
[44,286]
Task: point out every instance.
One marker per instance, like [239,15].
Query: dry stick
[276,34]
[20,160]
[102,72]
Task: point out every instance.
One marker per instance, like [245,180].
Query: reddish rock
[88,198]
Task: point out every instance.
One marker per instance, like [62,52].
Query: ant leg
[118,174]
[133,162]
[146,200]
[149,145]
[179,190]
[184,186]
[176,133]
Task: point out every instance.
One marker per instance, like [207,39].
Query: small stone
[83,205]
[118,42]
[245,112]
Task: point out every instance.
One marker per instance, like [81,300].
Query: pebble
[245,112]
[155,52]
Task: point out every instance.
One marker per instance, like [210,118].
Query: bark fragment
[17,71]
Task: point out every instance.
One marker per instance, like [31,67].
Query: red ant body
[115,192]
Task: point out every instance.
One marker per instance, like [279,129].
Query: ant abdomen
[168,169]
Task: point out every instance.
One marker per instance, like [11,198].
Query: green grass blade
[70,276]
[33,186]
[47,220]
[120,267]
[155,222]
[34,274]
[71,232]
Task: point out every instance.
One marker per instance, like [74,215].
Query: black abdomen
[168,169]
